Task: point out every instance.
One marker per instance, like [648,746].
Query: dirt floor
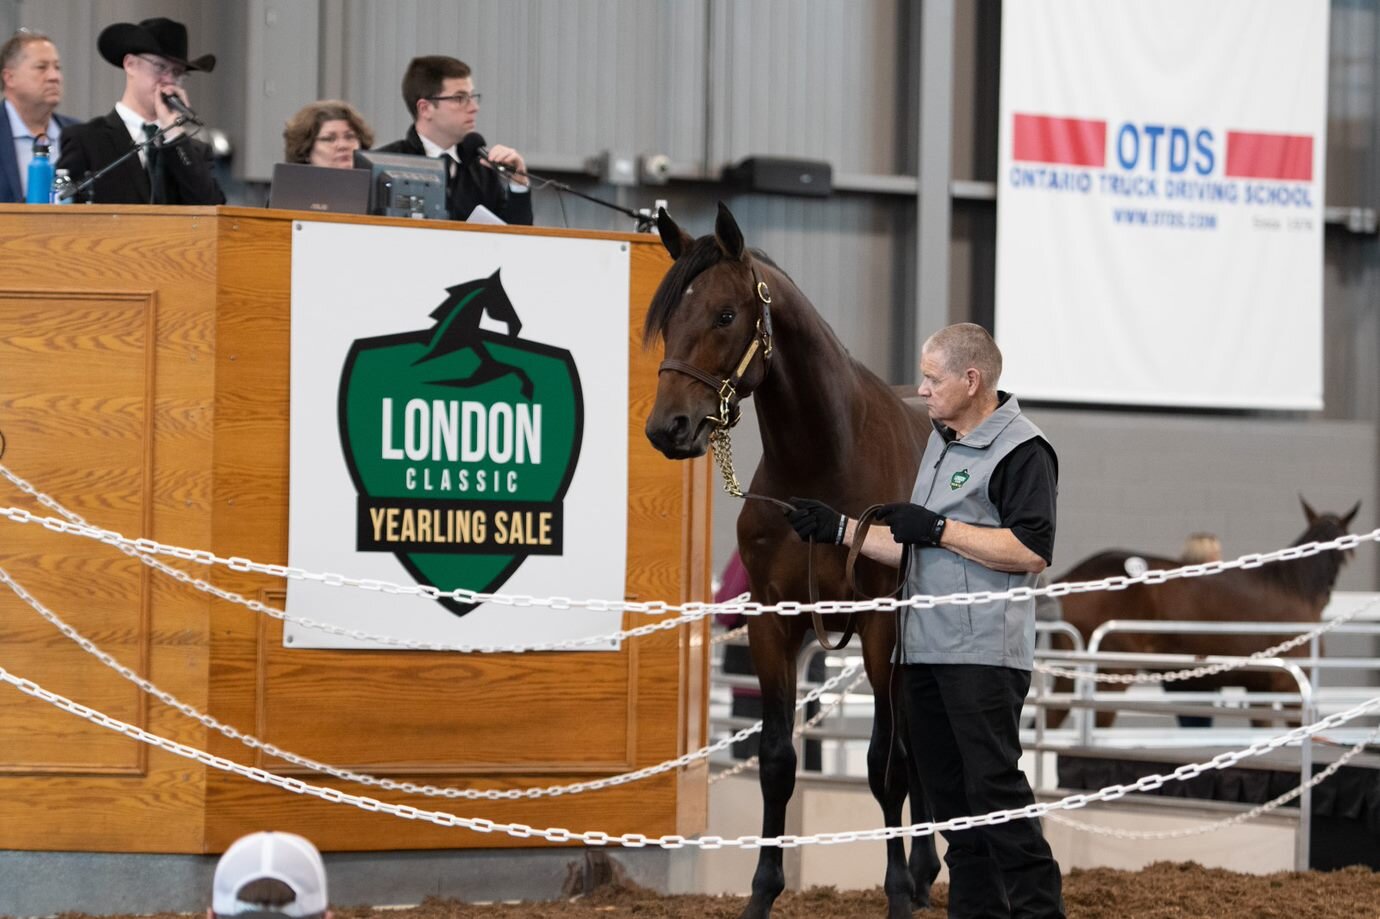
[1164,890]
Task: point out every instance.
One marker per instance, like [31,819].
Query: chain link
[1213,827]
[144,549]
[814,720]
[658,607]
[1171,676]
[721,440]
[365,779]
[672,841]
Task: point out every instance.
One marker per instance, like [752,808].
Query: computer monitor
[403,185]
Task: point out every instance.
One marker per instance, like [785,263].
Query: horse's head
[1326,527]
[713,312]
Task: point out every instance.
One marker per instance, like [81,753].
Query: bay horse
[1284,591]
[735,325]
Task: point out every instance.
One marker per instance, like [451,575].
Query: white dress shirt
[24,143]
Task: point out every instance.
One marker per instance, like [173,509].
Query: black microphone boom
[177,105]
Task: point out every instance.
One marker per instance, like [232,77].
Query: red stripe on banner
[1071,141]
[1270,156]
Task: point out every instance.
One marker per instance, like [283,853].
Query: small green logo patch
[958,480]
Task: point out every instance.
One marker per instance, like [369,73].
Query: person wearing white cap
[268,875]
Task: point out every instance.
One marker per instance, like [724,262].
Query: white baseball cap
[284,857]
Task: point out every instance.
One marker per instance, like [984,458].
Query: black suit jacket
[473,184]
[185,166]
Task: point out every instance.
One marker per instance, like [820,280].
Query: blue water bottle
[40,189]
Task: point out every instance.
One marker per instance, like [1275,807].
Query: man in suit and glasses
[174,170]
[439,93]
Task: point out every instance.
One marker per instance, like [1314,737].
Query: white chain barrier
[660,607]
[574,644]
[1210,669]
[1216,825]
[813,721]
[675,841]
[376,781]
[145,550]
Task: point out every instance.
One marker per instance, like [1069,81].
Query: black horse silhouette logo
[457,327]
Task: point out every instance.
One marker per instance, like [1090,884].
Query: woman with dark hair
[326,133]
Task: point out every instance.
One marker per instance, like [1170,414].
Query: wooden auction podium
[144,360]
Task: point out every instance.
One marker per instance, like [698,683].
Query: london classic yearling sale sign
[459,419]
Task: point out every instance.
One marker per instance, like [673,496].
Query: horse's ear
[1308,511]
[728,236]
[1350,516]
[676,240]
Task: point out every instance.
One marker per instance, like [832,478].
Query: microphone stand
[644,217]
[90,180]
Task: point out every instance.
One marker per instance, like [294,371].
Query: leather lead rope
[859,538]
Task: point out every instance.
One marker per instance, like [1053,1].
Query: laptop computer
[298,187]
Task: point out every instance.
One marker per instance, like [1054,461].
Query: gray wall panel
[817,79]
[559,78]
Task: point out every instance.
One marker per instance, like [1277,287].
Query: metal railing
[1304,704]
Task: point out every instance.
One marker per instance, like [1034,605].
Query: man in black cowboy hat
[176,169]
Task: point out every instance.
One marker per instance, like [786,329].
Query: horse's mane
[704,253]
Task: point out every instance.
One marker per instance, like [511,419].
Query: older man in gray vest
[981,518]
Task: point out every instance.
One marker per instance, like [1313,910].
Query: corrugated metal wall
[709,82]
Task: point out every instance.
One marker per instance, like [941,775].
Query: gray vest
[953,481]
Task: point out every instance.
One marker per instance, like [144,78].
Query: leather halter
[727,387]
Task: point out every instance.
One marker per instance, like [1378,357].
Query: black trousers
[963,722]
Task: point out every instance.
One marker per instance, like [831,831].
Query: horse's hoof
[755,910]
[920,901]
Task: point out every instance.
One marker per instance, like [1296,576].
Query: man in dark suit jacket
[439,93]
[31,72]
[175,170]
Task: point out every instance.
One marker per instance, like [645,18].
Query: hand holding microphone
[504,160]
[176,104]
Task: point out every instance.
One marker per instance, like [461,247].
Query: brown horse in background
[830,430]
[1285,591]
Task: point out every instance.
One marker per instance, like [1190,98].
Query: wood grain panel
[78,445]
[214,473]
[75,391]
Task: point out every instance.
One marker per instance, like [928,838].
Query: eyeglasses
[461,99]
[349,137]
[165,68]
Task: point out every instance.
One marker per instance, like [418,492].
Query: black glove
[815,520]
[912,523]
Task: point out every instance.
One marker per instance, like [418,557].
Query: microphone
[175,103]
[472,147]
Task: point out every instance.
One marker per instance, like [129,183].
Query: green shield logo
[461,442]
[958,480]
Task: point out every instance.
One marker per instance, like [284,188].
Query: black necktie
[151,158]
[452,177]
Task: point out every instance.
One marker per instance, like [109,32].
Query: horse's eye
[724,318]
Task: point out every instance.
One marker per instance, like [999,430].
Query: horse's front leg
[890,777]
[773,655]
